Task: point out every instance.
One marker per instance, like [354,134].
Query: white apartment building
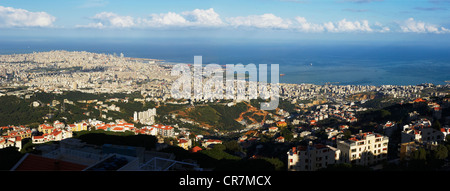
[164,130]
[312,157]
[145,117]
[364,149]
[423,133]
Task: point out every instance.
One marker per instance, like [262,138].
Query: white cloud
[343,25]
[356,26]
[108,19]
[414,26]
[202,17]
[195,18]
[304,26]
[445,30]
[164,19]
[381,28]
[260,21]
[11,17]
[209,18]
[98,25]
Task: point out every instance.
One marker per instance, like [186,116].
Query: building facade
[364,149]
[164,130]
[312,157]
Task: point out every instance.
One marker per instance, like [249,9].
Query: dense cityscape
[94,111]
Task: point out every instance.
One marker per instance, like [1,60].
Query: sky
[408,21]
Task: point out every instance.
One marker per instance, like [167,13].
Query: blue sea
[357,64]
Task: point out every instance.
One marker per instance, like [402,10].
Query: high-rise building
[145,117]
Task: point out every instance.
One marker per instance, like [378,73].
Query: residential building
[273,129]
[422,132]
[184,143]
[364,149]
[38,139]
[6,143]
[281,124]
[279,139]
[45,128]
[209,142]
[82,126]
[312,157]
[164,130]
[406,149]
[145,117]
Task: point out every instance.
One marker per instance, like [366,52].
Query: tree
[441,152]
[436,125]
[232,146]
[419,154]
[276,162]
[447,140]
[347,134]
[287,134]
[384,113]
[219,147]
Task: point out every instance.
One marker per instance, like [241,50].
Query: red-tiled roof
[213,141]
[118,129]
[39,163]
[38,137]
[56,133]
[163,127]
[44,126]
[196,149]
[419,100]
[102,127]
